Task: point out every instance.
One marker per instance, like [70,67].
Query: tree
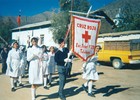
[130,20]
[5,29]
[136,22]
[59,25]
[61,20]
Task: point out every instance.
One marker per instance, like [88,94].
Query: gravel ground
[113,84]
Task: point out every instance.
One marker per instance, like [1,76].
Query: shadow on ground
[76,74]
[126,66]
[54,83]
[67,81]
[110,90]
[132,66]
[68,92]
[45,97]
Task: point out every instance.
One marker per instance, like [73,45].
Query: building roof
[119,36]
[119,33]
[33,26]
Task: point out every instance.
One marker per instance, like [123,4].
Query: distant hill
[36,18]
[28,19]
[111,10]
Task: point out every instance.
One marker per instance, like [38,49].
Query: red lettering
[77,45]
[81,25]
[84,51]
[84,46]
[91,46]
[91,27]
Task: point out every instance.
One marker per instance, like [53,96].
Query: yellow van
[120,48]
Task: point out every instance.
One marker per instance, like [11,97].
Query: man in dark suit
[61,58]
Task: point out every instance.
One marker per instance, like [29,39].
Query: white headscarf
[13,43]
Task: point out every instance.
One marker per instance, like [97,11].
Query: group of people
[42,66]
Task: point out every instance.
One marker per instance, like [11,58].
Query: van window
[135,46]
[117,45]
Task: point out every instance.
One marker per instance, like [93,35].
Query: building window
[42,39]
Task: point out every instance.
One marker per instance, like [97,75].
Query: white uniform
[13,62]
[34,55]
[44,64]
[23,64]
[89,69]
[51,63]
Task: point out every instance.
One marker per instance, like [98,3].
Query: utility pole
[70,35]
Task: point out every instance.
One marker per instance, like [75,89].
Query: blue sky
[32,7]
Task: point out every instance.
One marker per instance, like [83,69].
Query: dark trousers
[68,69]
[4,66]
[62,79]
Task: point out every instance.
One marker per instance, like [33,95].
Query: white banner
[84,36]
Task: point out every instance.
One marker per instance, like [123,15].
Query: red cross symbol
[86,36]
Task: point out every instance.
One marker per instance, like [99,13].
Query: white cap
[13,43]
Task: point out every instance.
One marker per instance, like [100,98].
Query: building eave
[119,33]
[33,26]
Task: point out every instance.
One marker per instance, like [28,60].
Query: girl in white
[45,65]
[51,63]
[13,63]
[34,55]
[22,65]
[90,73]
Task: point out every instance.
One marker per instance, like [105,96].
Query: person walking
[90,73]
[4,54]
[51,63]
[13,64]
[23,64]
[61,59]
[34,56]
[45,66]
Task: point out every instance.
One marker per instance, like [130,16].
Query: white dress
[34,55]
[44,63]
[51,63]
[89,69]
[13,62]
[23,64]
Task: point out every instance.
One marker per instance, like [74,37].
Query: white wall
[22,36]
[48,37]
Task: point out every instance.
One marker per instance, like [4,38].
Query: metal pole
[89,11]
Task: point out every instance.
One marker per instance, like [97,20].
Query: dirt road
[113,85]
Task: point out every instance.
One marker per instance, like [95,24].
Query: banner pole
[89,11]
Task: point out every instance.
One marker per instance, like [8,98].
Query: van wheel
[117,63]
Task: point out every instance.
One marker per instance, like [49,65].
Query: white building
[40,30]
